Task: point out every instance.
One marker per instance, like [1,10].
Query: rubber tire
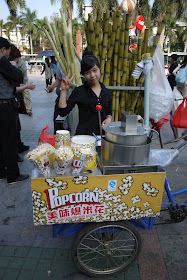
[93,226]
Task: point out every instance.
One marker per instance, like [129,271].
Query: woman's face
[93,75]
[5,52]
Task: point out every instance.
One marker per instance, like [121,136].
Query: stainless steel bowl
[114,133]
[125,155]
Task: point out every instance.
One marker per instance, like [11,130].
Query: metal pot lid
[115,128]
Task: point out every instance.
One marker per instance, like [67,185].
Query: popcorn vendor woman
[87,97]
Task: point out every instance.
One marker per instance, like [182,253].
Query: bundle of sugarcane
[68,57]
[108,39]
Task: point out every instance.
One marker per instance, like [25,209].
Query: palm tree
[14,4]
[168,7]
[41,25]
[28,24]
[12,24]
[174,10]
[13,21]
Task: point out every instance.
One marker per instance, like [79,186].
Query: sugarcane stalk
[64,23]
[55,51]
[155,43]
[139,47]
[50,30]
[59,49]
[91,30]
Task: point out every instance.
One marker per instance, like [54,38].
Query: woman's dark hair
[14,53]
[174,56]
[53,60]
[4,43]
[88,62]
[86,52]
[47,61]
[184,63]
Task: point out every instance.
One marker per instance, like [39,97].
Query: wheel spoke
[92,249]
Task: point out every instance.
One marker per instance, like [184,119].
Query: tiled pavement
[26,263]
[28,252]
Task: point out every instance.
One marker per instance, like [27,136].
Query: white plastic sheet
[163,157]
[161,95]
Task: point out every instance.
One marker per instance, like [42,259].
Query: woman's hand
[66,82]
[107,120]
[30,85]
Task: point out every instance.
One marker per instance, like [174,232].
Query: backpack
[181,76]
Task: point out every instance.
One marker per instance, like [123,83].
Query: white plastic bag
[163,157]
[178,98]
[161,95]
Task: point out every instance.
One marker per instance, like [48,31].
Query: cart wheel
[107,248]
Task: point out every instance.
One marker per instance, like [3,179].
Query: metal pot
[114,133]
[125,155]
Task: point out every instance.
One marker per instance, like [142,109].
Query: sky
[43,8]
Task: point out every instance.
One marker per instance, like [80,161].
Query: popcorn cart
[101,205]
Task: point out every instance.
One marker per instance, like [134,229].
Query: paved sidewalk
[29,252]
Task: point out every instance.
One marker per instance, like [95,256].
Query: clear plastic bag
[163,157]
[161,95]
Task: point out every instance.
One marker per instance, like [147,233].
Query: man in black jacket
[171,77]
[9,75]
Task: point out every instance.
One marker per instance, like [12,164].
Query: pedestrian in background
[48,72]
[171,77]
[54,66]
[182,87]
[15,55]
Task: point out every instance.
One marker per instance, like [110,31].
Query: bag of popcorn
[82,156]
[62,159]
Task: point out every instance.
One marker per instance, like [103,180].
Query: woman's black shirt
[87,100]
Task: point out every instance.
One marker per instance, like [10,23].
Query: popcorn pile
[42,157]
[81,157]
[62,159]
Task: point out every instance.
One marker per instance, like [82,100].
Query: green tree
[143,8]
[13,20]
[28,25]
[174,10]
[67,6]
[14,4]
[40,38]
[12,24]
[181,43]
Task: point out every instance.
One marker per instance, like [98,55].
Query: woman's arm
[65,85]
[54,85]
[176,70]
[43,70]
[26,86]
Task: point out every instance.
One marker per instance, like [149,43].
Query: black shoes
[29,114]
[2,177]
[20,178]
[23,148]
[19,159]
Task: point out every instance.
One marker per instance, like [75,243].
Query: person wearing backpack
[180,74]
